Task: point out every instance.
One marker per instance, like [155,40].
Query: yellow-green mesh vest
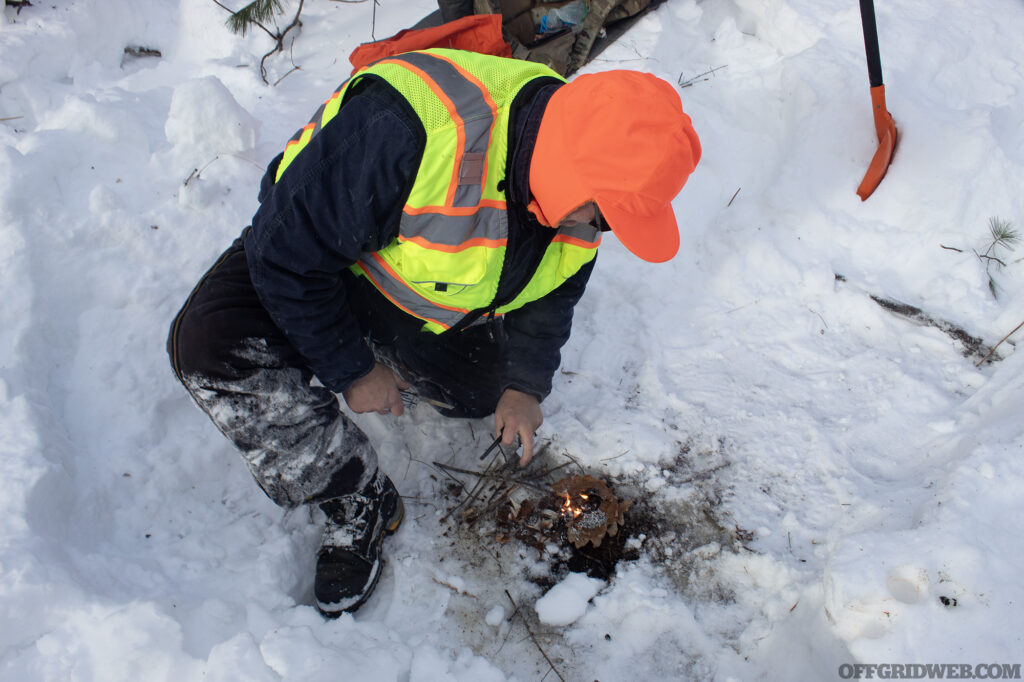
[447,259]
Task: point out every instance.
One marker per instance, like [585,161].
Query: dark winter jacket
[343,196]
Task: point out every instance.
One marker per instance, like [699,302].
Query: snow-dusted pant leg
[242,371]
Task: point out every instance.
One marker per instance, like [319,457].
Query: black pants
[300,447]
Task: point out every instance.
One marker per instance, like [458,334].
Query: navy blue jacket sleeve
[535,335]
[341,196]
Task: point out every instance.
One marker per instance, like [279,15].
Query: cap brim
[653,237]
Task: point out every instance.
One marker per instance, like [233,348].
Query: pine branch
[1003,233]
[257,12]
[254,14]
[280,41]
[986,257]
[258,25]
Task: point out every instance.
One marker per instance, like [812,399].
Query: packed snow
[567,601]
[835,483]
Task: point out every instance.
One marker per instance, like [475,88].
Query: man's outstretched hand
[518,414]
[377,391]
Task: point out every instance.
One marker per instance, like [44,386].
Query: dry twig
[733,197]
[492,475]
[545,472]
[701,475]
[473,494]
[691,81]
[621,454]
[575,461]
[532,636]
[455,589]
[290,72]
[985,256]
[980,362]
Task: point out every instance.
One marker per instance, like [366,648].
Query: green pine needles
[1003,235]
[255,13]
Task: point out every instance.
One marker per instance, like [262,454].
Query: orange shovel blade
[886,129]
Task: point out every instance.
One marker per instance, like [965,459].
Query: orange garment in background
[475,33]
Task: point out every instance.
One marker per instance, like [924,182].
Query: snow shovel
[884,125]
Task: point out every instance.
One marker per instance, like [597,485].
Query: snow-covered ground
[837,484]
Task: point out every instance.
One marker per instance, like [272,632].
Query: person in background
[429,232]
[454,9]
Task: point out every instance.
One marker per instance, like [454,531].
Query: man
[431,229]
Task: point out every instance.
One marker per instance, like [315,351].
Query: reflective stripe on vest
[328,110]
[447,259]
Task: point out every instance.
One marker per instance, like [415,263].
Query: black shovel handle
[867,19]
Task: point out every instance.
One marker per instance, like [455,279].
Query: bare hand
[518,414]
[378,392]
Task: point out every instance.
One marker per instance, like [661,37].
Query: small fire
[588,508]
[569,508]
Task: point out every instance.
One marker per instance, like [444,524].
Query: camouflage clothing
[564,51]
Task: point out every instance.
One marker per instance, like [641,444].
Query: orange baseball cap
[621,140]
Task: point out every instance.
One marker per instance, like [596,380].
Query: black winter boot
[348,563]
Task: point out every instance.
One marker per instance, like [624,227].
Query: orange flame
[569,508]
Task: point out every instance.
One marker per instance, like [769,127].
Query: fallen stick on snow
[972,345]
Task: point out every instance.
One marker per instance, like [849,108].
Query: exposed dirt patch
[505,514]
[675,521]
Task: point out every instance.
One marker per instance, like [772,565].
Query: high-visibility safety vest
[446,261]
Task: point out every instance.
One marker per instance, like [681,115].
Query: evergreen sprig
[1003,234]
[256,13]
